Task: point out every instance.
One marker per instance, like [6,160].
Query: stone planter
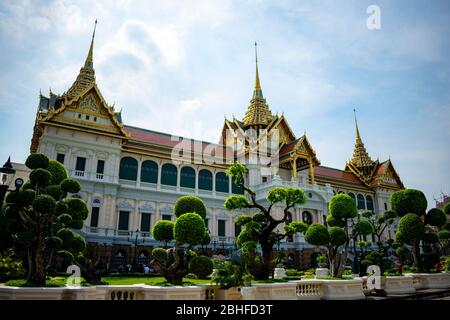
[276,291]
[248,293]
[393,285]
[430,280]
[343,289]
[172,293]
[233,293]
[16,293]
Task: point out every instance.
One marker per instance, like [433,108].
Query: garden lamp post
[7,173]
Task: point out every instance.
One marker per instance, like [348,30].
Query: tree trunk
[266,259]
[416,254]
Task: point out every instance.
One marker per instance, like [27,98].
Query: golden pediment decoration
[88,103]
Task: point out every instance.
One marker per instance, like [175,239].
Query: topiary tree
[261,227]
[336,236]
[39,218]
[188,230]
[201,266]
[413,227]
[408,201]
[163,231]
[447,208]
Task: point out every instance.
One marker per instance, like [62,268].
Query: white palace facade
[130,181]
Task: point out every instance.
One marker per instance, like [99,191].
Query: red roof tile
[336,174]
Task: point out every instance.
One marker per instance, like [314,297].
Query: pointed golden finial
[360,156]
[358,136]
[257,90]
[89,63]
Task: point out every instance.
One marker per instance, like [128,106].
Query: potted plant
[230,279]
[322,261]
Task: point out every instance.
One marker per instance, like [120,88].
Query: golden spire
[360,156]
[257,92]
[258,112]
[89,63]
[87,73]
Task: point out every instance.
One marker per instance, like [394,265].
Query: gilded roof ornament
[258,112]
[360,156]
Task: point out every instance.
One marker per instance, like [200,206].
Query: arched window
[128,169]
[235,189]
[222,182]
[307,217]
[169,174]
[149,171]
[187,177]
[369,203]
[361,202]
[352,195]
[205,180]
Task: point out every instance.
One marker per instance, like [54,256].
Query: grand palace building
[130,180]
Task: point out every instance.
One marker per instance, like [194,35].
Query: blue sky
[180,66]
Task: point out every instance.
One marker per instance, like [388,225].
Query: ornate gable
[88,110]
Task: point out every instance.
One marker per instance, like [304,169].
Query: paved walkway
[428,294]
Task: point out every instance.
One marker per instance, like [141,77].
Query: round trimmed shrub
[188,204]
[249,246]
[66,255]
[77,243]
[436,217]
[57,170]
[189,228]
[65,234]
[334,222]
[54,242]
[317,234]
[447,208]
[159,254]
[409,201]
[65,219]
[61,207]
[40,177]
[26,197]
[11,197]
[70,185]
[443,235]
[342,206]
[364,227]
[77,208]
[77,224]
[44,204]
[337,236]
[54,191]
[163,230]
[430,237]
[446,226]
[37,160]
[201,266]
[410,227]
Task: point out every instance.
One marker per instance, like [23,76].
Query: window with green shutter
[145,222]
[221,227]
[94,217]
[187,177]
[149,171]
[124,217]
[222,182]
[81,164]
[128,169]
[169,174]
[205,180]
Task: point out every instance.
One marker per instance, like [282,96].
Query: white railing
[99,176]
[79,173]
[309,289]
